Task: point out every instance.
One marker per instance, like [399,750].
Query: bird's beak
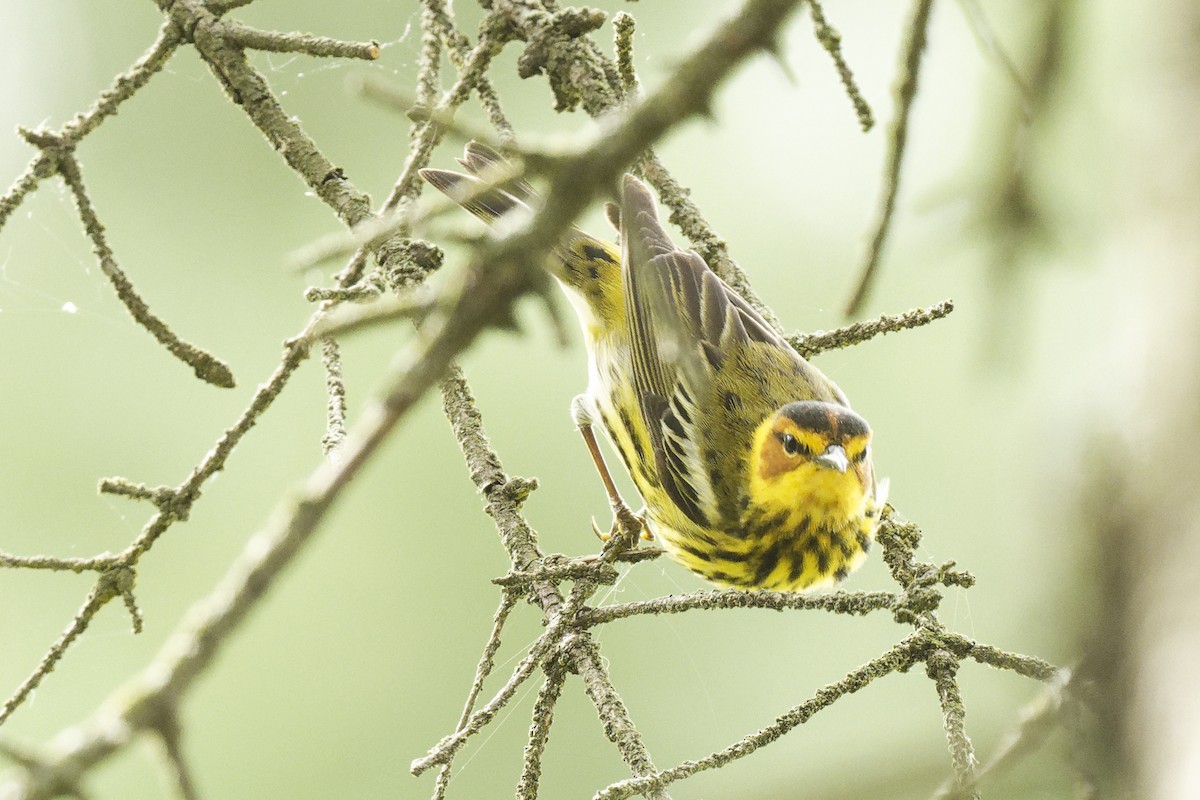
[834,457]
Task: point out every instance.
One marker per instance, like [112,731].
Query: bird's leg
[624,520]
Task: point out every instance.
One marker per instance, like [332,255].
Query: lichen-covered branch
[852,603]
[897,659]
[207,367]
[480,295]
[831,40]
[174,504]
[810,344]
[1037,721]
[942,668]
[486,664]
[539,730]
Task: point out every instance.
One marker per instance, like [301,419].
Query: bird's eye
[791,445]
[859,456]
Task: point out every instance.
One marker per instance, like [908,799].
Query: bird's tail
[482,191]
[588,266]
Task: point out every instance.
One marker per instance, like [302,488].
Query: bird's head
[813,455]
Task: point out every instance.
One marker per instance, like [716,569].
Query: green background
[361,655]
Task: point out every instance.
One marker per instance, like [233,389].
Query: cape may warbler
[755,472]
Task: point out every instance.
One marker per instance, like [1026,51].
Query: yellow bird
[755,472]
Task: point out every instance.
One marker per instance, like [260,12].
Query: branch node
[169,500]
[552,30]
[119,581]
[516,489]
[408,262]
[556,568]
[40,771]
[47,141]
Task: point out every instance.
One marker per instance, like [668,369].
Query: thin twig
[853,603]
[42,166]
[335,392]
[247,87]
[985,35]
[99,563]
[587,568]
[1037,721]
[898,658]
[539,730]
[482,670]
[906,92]
[97,598]
[207,367]
[810,344]
[831,40]
[349,319]
[319,46]
[624,27]
[942,667]
[1029,666]
[427,136]
[438,18]
[614,716]
[444,750]
[355,294]
[124,86]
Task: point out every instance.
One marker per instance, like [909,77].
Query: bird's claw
[633,527]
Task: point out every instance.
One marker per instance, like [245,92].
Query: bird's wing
[683,323]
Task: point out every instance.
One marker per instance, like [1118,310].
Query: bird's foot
[630,526]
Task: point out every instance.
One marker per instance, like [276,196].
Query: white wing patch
[682,455]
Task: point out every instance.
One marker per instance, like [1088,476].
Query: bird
[755,472]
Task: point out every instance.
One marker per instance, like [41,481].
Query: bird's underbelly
[786,560]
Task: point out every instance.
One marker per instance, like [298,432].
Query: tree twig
[905,92]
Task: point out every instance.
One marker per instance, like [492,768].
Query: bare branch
[1037,721]
[335,391]
[897,659]
[539,730]
[831,40]
[486,664]
[106,589]
[207,367]
[853,603]
[481,295]
[942,667]
[906,91]
[444,750]
[319,46]
[810,344]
